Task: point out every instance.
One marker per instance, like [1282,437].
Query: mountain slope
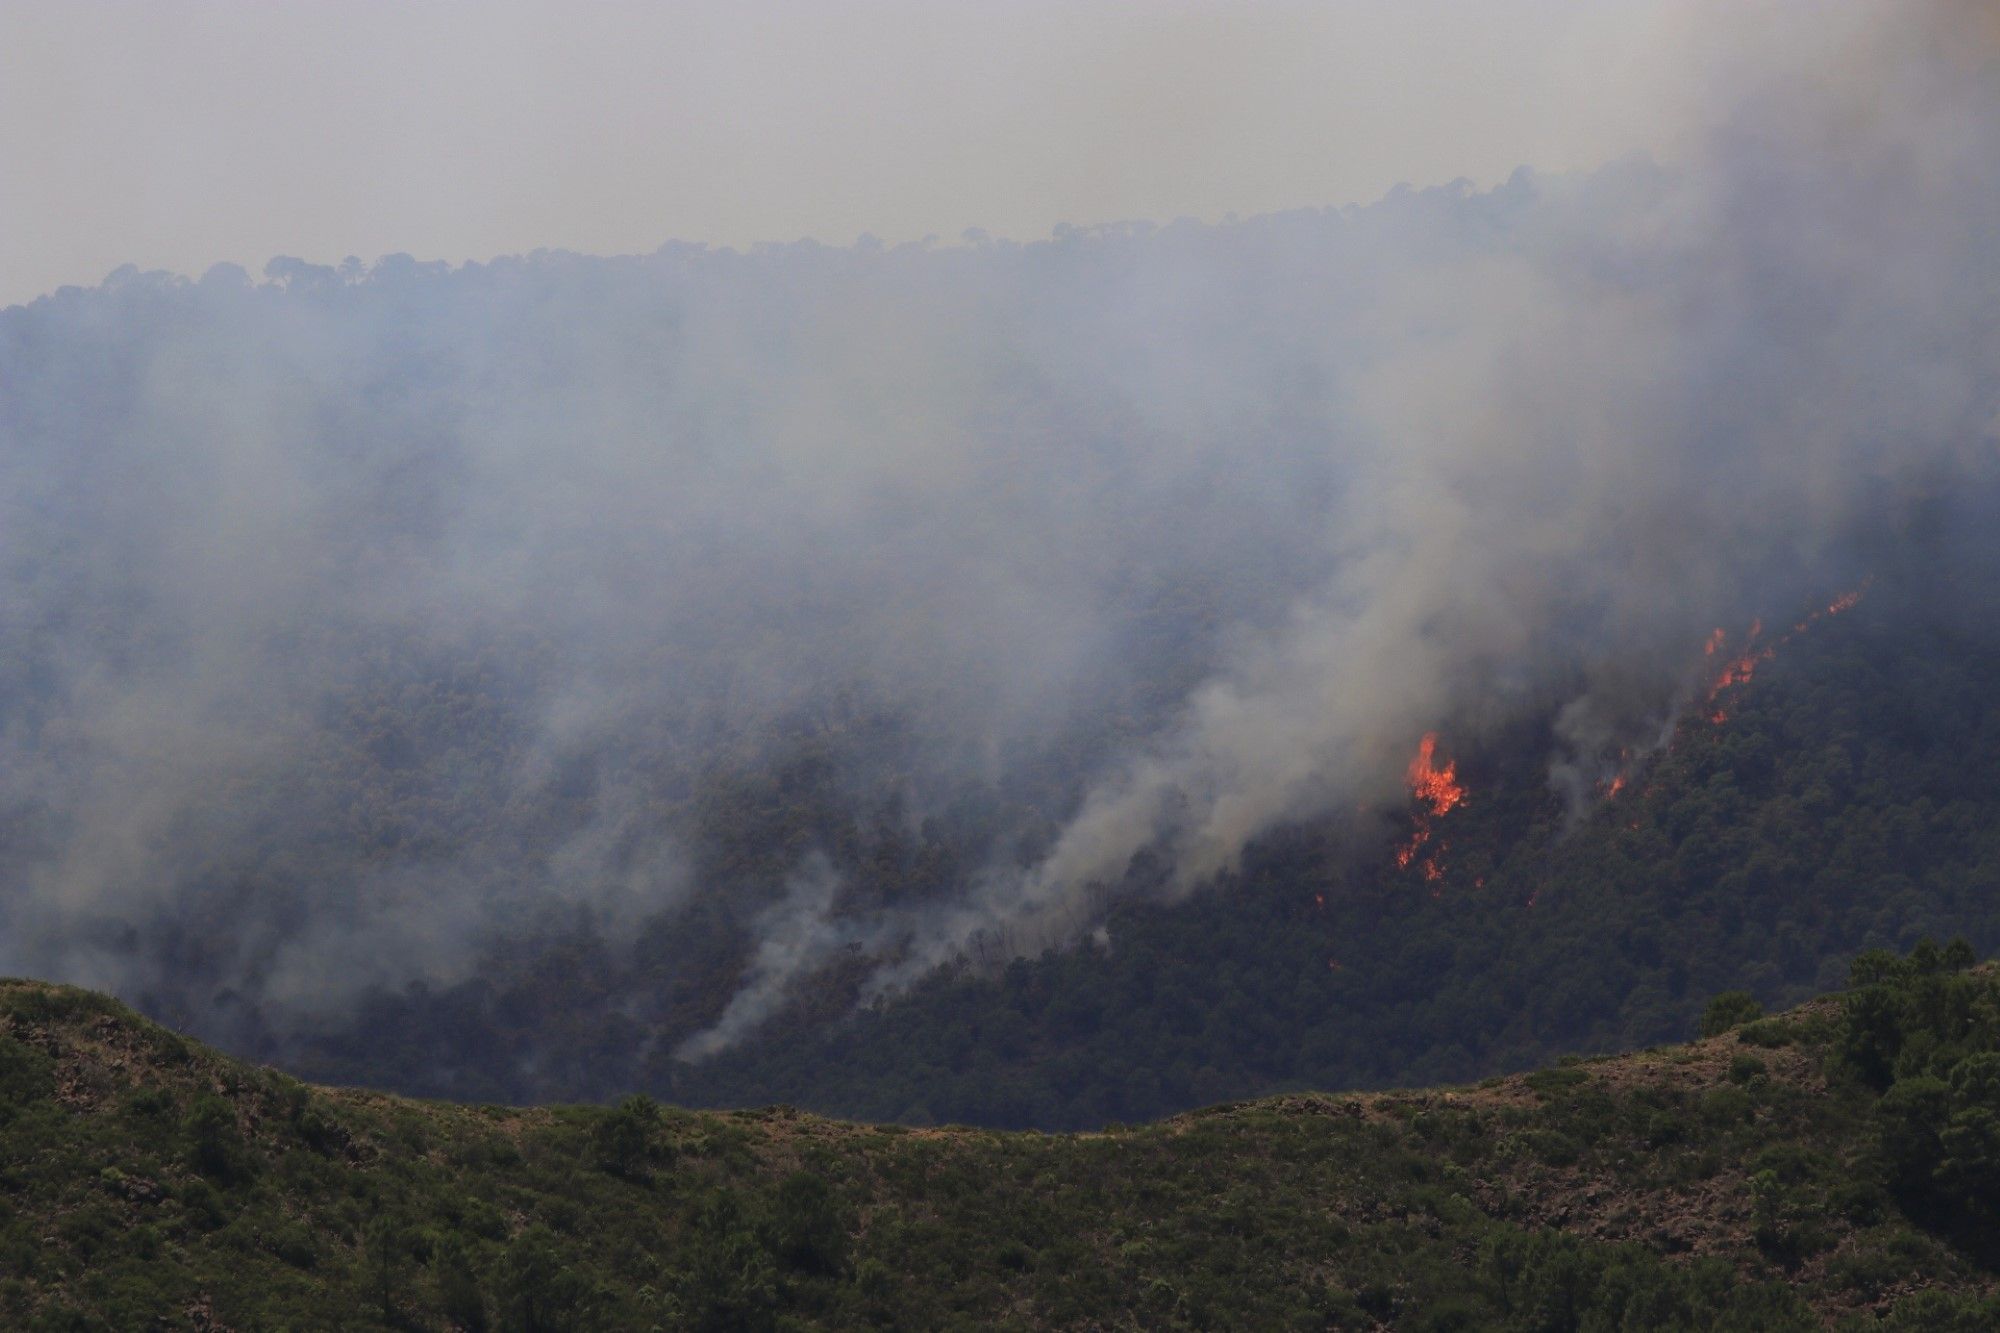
[1848,799]
[1821,1167]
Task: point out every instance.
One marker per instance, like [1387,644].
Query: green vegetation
[1728,1010]
[1840,1170]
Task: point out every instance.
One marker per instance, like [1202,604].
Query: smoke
[796,936]
[363,624]
[1657,399]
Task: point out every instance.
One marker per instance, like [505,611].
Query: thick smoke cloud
[1597,416]
[363,623]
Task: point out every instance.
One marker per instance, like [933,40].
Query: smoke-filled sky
[178,135]
[354,615]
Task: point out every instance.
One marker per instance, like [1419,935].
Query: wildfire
[1435,790]
[1730,668]
[1616,783]
[1435,787]
[1739,669]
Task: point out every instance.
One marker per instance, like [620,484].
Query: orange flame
[1435,790]
[1435,787]
[1739,669]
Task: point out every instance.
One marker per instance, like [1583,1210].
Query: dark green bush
[1745,1068]
[1766,1032]
[26,1075]
[626,1140]
[216,1146]
[1728,1010]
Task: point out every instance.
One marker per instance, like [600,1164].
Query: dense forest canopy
[591,664]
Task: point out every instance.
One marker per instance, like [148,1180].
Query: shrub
[805,1230]
[459,1293]
[544,1288]
[1746,1067]
[26,1075]
[1547,1083]
[624,1140]
[1766,1032]
[1728,1010]
[216,1149]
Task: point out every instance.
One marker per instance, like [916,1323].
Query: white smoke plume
[360,622]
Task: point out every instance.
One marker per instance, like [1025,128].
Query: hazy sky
[176,135]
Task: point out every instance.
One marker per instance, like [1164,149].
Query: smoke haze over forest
[362,621]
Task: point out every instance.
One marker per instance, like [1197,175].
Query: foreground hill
[1832,1166]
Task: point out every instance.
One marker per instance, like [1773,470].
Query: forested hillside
[1848,797]
[1831,1166]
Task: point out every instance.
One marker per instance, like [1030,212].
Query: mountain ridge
[1748,1179]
